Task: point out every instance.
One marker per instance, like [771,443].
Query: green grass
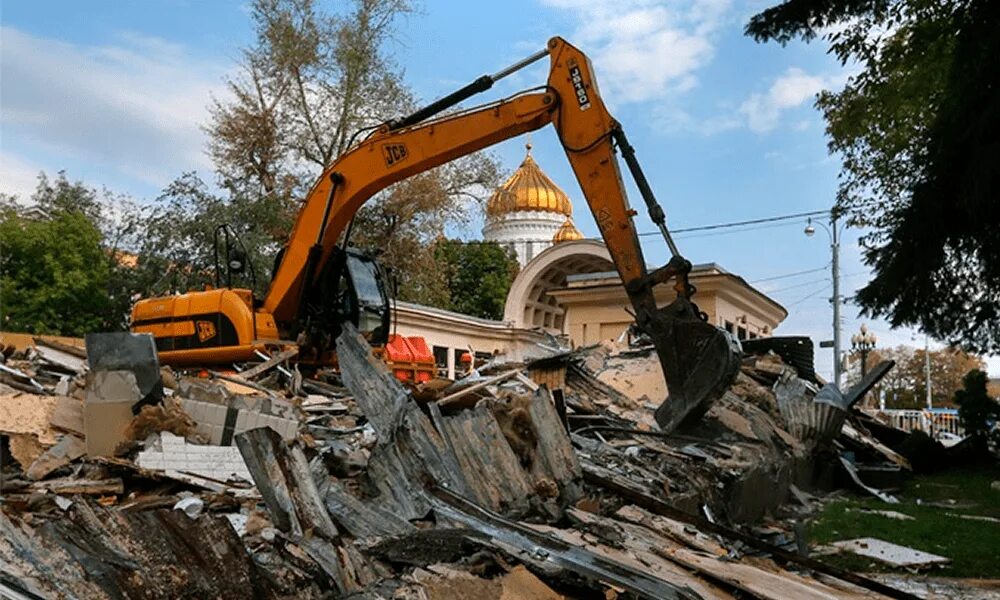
[973,546]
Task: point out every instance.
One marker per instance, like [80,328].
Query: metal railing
[932,422]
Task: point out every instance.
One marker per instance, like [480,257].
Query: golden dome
[567,233]
[529,189]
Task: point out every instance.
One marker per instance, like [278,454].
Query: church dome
[567,233]
[528,189]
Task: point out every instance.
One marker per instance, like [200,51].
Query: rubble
[545,480]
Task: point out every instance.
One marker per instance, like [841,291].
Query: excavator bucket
[699,362]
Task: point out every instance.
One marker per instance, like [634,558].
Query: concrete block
[107,409]
[134,352]
[241,421]
[217,415]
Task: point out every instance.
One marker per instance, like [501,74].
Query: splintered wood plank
[760,577]
[462,397]
[492,470]
[555,457]
[381,397]
[761,583]
[69,486]
[416,455]
[281,473]
[636,550]
[675,530]
[360,518]
[545,552]
[98,553]
[270,363]
[66,450]
[410,453]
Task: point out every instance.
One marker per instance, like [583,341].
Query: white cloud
[17,176]
[645,49]
[673,119]
[790,90]
[134,108]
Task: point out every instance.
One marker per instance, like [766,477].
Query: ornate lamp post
[835,262]
[863,343]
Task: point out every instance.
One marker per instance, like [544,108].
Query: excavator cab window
[368,295]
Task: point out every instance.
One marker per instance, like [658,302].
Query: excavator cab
[363,298]
[365,302]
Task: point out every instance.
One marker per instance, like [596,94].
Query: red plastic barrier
[410,358]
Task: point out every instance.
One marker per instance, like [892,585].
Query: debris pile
[545,480]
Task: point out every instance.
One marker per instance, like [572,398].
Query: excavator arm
[698,360]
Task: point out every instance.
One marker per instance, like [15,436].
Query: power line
[731,231]
[812,213]
[798,285]
[795,274]
[808,296]
[716,226]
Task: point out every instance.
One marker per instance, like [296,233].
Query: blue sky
[116,93]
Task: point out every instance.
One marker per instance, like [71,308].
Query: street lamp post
[835,262]
[863,343]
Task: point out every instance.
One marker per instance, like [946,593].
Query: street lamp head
[809,230]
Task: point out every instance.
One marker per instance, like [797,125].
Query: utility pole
[927,368]
[835,300]
[835,249]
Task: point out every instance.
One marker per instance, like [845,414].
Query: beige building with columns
[567,291]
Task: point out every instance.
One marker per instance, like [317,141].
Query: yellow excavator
[319,282]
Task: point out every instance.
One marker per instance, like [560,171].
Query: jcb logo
[576,78]
[393,153]
[206,330]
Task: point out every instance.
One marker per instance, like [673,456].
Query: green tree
[917,129]
[118,221]
[478,276]
[53,274]
[905,385]
[975,407]
[310,85]
[177,249]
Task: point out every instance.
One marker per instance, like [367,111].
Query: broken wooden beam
[491,468]
[604,477]
[555,458]
[550,554]
[362,519]
[284,481]
[455,398]
[240,381]
[68,486]
[103,554]
[381,397]
[66,450]
[274,361]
